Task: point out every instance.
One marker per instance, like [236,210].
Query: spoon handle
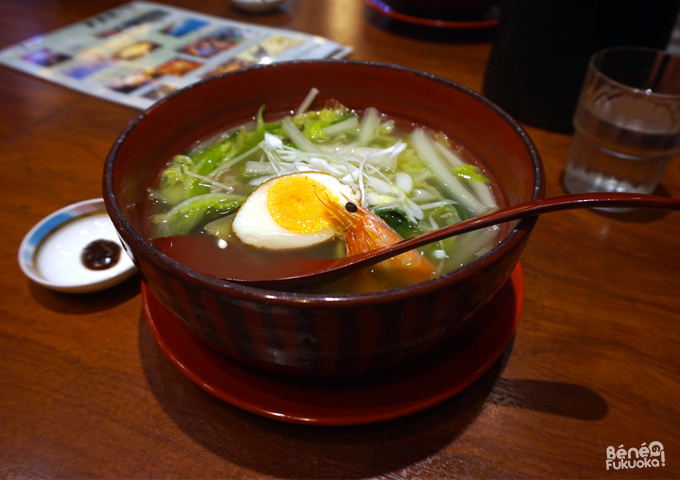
[344,266]
[527,209]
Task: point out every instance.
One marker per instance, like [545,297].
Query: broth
[393,174]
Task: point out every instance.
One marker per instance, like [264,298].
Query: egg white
[254,225]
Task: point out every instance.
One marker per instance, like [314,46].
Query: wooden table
[85,392]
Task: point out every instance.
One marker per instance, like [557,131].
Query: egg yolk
[293,203]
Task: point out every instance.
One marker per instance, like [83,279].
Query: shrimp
[364,231]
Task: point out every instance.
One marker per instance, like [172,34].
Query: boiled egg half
[286,211]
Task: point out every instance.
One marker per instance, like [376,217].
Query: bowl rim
[308,300]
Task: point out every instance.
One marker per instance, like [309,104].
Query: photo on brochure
[159,92]
[270,48]
[46,57]
[229,66]
[143,19]
[216,42]
[136,50]
[81,69]
[182,27]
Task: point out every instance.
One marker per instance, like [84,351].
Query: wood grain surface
[85,391]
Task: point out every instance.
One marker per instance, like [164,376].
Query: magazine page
[139,52]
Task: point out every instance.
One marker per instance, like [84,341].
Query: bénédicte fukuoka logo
[643,457]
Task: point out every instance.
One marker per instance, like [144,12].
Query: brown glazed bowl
[321,334]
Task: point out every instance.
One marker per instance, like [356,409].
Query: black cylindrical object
[542,48]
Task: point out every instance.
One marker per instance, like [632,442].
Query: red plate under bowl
[350,400]
[383,8]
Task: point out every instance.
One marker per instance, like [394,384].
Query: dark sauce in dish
[100,254]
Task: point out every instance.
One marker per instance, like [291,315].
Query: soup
[274,197]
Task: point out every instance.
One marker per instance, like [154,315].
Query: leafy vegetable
[312,123]
[251,140]
[425,146]
[206,160]
[369,127]
[221,227]
[399,222]
[399,178]
[480,189]
[411,163]
[448,214]
[470,172]
[185,176]
[175,185]
[181,219]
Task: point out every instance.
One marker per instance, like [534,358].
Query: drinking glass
[627,122]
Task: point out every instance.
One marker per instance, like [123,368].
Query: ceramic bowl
[321,334]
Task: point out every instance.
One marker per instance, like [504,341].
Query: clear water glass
[627,123]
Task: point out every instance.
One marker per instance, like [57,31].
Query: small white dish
[50,253]
[257,6]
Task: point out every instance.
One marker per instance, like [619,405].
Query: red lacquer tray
[383,9]
[351,400]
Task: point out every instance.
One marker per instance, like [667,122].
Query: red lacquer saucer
[383,9]
[351,400]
